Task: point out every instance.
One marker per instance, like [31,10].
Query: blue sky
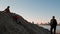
[34,10]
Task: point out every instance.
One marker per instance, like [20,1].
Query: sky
[34,10]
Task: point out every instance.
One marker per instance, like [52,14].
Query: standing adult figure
[7,10]
[53,23]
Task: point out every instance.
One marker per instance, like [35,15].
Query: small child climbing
[16,18]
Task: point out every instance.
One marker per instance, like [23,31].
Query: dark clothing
[53,24]
[52,29]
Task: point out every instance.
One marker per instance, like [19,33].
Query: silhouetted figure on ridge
[7,10]
[53,23]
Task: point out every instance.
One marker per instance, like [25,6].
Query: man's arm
[51,22]
[56,21]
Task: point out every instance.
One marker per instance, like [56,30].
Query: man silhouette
[53,23]
[7,10]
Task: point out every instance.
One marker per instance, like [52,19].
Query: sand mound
[8,25]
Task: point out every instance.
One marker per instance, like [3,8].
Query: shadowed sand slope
[8,25]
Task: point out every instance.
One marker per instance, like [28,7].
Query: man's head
[8,7]
[53,17]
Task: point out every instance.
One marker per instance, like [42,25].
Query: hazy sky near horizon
[34,10]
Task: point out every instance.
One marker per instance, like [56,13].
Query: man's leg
[51,29]
[55,30]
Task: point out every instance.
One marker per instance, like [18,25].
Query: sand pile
[9,25]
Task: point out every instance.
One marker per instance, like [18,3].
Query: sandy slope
[10,26]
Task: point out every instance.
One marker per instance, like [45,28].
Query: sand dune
[8,25]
